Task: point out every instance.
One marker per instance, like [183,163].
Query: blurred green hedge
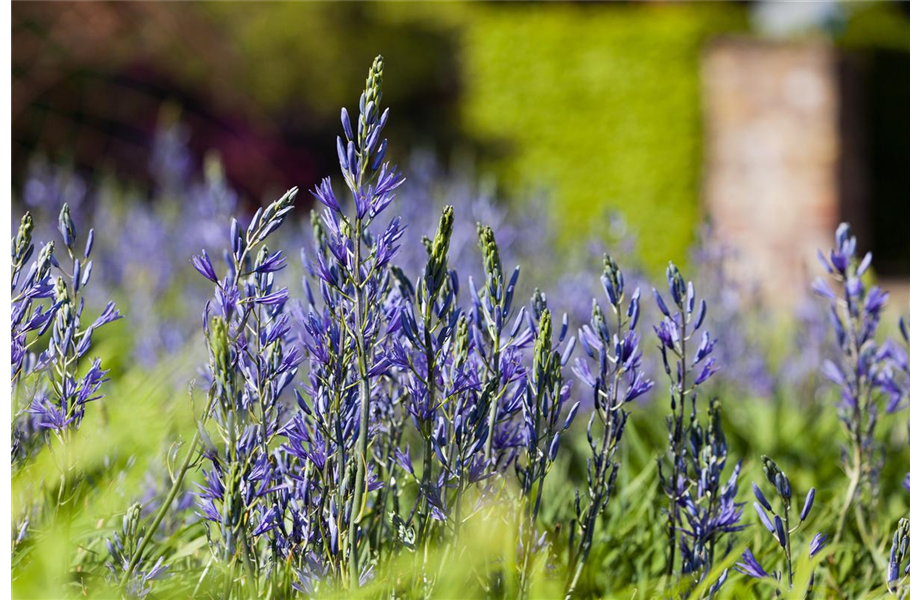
[601,105]
[593,106]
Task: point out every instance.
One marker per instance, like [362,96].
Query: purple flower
[50,416]
[203,265]
[809,502]
[749,565]
[274,298]
[275,262]
[767,522]
[858,368]
[760,497]
[709,369]
[779,531]
[817,544]
[324,194]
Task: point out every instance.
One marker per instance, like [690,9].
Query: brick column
[773,167]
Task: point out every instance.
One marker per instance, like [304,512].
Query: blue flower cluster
[404,391]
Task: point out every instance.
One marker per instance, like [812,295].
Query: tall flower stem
[788,544]
[493,409]
[167,502]
[850,497]
[357,504]
[431,386]
[678,430]
[617,381]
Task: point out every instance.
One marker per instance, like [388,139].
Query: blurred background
[764,124]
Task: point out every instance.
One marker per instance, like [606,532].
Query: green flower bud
[372,87]
[436,269]
[462,340]
[23,240]
[543,347]
[613,280]
[490,258]
[538,302]
[220,349]
[599,323]
[61,292]
[44,260]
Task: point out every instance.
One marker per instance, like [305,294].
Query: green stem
[855,477]
[357,504]
[575,577]
[432,391]
[164,508]
[493,409]
[678,424]
[788,542]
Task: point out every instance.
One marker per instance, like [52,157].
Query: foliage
[600,106]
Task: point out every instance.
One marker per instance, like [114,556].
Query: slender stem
[855,477]
[678,429]
[164,508]
[788,542]
[357,505]
[575,577]
[431,386]
[493,409]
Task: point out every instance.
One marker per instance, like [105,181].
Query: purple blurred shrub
[741,353]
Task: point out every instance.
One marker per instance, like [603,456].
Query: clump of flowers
[545,396]
[344,333]
[50,371]
[709,511]
[123,546]
[681,327]
[702,511]
[861,369]
[781,522]
[354,436]
[252,362]
[616,380]
[70,341]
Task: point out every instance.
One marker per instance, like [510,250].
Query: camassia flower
[371,425]
[680,329]
[781,522]
[613,370]
[862,370]
[344,327]
[62,378]
[252,362]
[60,405]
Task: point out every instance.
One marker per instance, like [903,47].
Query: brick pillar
[773,168]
